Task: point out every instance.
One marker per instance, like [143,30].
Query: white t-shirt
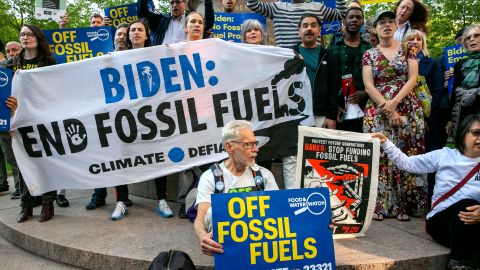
[206,184]
[401,31]
[175,31]
[451,167]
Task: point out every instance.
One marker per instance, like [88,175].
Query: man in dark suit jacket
[168,27]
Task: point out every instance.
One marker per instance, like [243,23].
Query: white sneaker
[119,212]
[163,209]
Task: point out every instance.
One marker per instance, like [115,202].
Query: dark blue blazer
[430,69]
[158,23]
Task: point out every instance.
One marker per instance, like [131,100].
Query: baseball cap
[382,13]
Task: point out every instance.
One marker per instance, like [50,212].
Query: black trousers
[27,200]
[161,186]
[447,229]
[122,193]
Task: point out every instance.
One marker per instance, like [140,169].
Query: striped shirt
[286,16]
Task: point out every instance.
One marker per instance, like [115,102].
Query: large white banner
[347,164]
[136,115]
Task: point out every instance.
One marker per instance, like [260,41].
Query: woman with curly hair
[411,14]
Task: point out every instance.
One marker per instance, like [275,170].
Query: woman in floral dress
[389,72]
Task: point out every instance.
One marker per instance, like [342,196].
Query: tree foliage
[446,17]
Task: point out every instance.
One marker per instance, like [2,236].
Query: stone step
[88,239]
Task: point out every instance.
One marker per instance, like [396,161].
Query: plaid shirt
[339,51]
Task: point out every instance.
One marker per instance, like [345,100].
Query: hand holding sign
[11,103]
[209,246]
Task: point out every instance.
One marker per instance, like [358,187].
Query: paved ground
[90,240]
[13,257]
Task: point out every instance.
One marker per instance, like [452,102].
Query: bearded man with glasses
[235,174]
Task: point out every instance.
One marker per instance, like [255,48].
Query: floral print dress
[398,191]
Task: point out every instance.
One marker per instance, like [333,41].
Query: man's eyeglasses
[176,2]
[27,35]
[474,132]
[247,145]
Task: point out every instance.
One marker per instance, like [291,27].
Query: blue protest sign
[452,55]
[283,229]
[228,25]
[330,27]
[5,92]
[74,44]
[121,14]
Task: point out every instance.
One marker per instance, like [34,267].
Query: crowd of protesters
[362,82]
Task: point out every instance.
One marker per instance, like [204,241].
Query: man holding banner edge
[240,144]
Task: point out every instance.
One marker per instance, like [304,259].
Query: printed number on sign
[323,266]
[3,122]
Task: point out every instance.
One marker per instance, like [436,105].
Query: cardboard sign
[347,164]
[283,229]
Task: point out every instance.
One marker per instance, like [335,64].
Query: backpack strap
[218,176]
[258,179]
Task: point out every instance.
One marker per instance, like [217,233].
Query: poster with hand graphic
[347,164]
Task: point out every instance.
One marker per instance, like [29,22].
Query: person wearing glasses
[454,220]
[35,53]
[169,28]
[238,172]
[389,74]
[465,99]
